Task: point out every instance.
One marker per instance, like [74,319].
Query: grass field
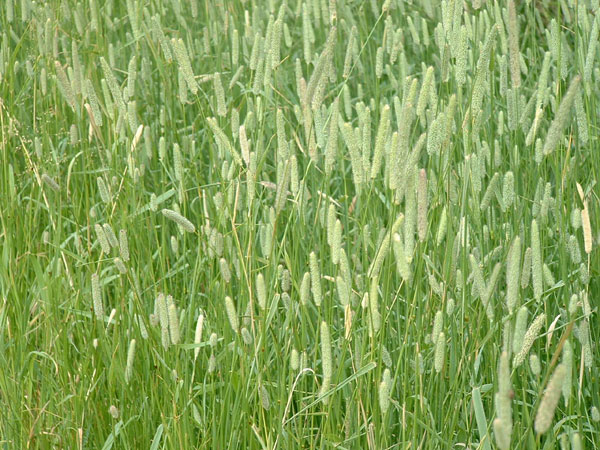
[299,224]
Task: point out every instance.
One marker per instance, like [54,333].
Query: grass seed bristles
[402,264]
[508,190]
[380,141]
[232,314]
[198,334]
[490,192]
[97,298]
[316,84]
[184,64]
[131,78]
[374,313]
[438,323]
[130,359]
[424,93]
[536,261]
[479,285]
[104,244]
[520,328]
[553,137]
[120,266]
[336,242]
[587,229]
[503,407]
[342,290]
[123,245]
[567,361]
[179,220]
[549,402]
[526,272]
[591,52]
[349,53]
[305,286]
[315,279]
[384,391]
[49,181]
[224,268]
[502,434]
[114,88]
[531,335]
[482,71]
[512,274]
[582,124]
[103,190]
[110,236]
[64,84]
[220,95]
[90,94]
[294,360]
[244,146]
[422,205]
[173,324]
[326,359]
[332,140]
[261,291]
[513,45]
[440,353]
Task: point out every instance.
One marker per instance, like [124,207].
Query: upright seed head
[438,323]
[520,326]
[536,261]
[336,243]
[123,245]
[104,244]
[220,95]
[326,358]
[163,315]
[422,205]
[232,314]
[315,278]
[384,391]
[110,235]
[331,218]
[198,334]
[550,399]
[587,229]
[130,358]
[97,297]
[305,289]
[530,336]
[183,61]
[562,117]
[508,190]
[440,350]
[424,93]
[374,304]
[379,62]
[512,274]
[513,45]
[173,324]
[64,84]
[503,399]
[294,360]
[261,291]
[567,361]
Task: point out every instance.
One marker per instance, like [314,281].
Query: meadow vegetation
[299,224]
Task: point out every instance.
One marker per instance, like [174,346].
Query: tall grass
[300,224]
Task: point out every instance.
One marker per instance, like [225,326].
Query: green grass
[426,234]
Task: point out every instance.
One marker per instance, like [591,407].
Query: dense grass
[410,176]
